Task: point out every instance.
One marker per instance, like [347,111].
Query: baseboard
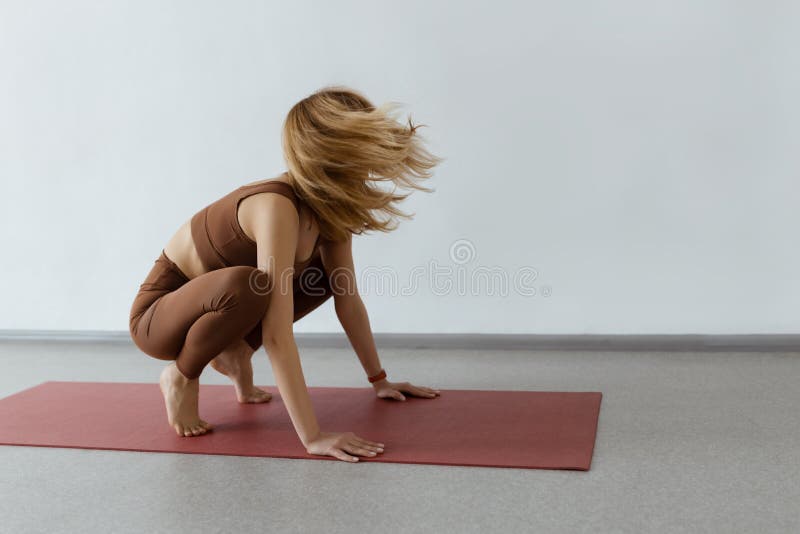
[576,342]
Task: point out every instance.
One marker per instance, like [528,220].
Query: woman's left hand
[395,390]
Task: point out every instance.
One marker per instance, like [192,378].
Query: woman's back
[219,235]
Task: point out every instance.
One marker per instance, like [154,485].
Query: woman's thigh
[162,329]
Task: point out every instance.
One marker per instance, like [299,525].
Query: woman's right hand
[338,444]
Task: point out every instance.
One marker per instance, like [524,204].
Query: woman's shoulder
[280,185]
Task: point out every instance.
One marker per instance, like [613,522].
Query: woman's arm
[275,225]
[337,258]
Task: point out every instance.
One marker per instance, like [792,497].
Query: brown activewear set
[192,321]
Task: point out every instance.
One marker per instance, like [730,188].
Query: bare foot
[235,363]
[181,398]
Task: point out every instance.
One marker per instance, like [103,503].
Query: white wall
[641,156]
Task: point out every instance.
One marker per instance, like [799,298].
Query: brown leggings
[192,321]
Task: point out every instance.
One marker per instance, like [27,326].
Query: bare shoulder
[337,260]
[258,211]
[337,254]
[333,246]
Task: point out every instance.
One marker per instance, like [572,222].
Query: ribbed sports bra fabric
[219,238]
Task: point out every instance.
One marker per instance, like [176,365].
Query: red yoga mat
[523,429]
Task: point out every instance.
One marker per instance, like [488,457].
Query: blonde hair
[339,147]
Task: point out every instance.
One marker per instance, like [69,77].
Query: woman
[241,271]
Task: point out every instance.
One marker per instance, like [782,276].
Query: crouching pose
[240,272]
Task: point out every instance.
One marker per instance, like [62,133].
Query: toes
[261,394]
[193,430]
[254,396]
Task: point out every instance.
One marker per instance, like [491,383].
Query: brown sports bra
[219,238]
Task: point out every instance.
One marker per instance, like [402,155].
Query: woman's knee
[249,287]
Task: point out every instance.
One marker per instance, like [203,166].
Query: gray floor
[687,442]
